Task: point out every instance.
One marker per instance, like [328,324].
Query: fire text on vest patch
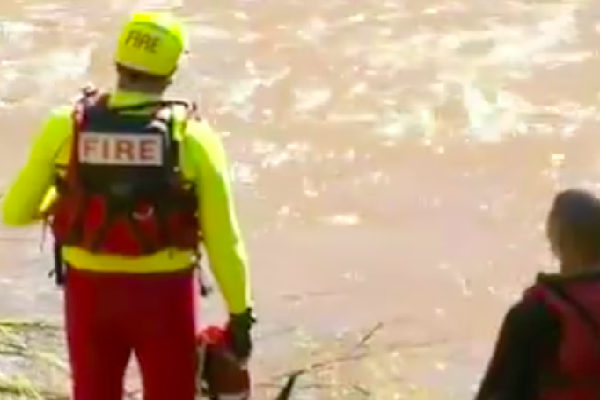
[120,149]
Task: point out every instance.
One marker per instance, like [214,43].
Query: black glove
[240,334]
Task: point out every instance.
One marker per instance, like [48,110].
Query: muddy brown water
[393,160]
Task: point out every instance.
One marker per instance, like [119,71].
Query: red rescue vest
[575,374]
[123,192]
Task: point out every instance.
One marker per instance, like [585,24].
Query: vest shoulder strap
[585,315]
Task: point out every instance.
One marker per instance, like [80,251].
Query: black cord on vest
[59,271]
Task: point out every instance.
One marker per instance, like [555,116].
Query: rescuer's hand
[240,334]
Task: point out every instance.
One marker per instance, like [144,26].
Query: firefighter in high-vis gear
[131,183]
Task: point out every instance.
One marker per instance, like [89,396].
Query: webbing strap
[586,317]
[582,312]
[112,213]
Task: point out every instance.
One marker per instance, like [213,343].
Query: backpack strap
[582,312]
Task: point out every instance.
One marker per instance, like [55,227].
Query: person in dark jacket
[549,343]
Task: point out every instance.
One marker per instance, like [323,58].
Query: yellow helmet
[152,42]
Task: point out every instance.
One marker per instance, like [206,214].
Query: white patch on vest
[120,149]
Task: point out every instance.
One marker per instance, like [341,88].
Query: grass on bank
[33,367]
[30,365]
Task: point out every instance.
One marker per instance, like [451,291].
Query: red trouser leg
[165,336]
[153,314]
[99,349]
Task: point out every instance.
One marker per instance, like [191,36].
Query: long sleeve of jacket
[220,228]
[32,186]
[528,337]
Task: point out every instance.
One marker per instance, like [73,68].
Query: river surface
[393,159]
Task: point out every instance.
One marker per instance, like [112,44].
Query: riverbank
[33,367]
[32,361]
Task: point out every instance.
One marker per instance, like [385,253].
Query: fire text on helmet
[142,41]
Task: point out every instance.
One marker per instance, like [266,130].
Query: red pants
[111,316]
